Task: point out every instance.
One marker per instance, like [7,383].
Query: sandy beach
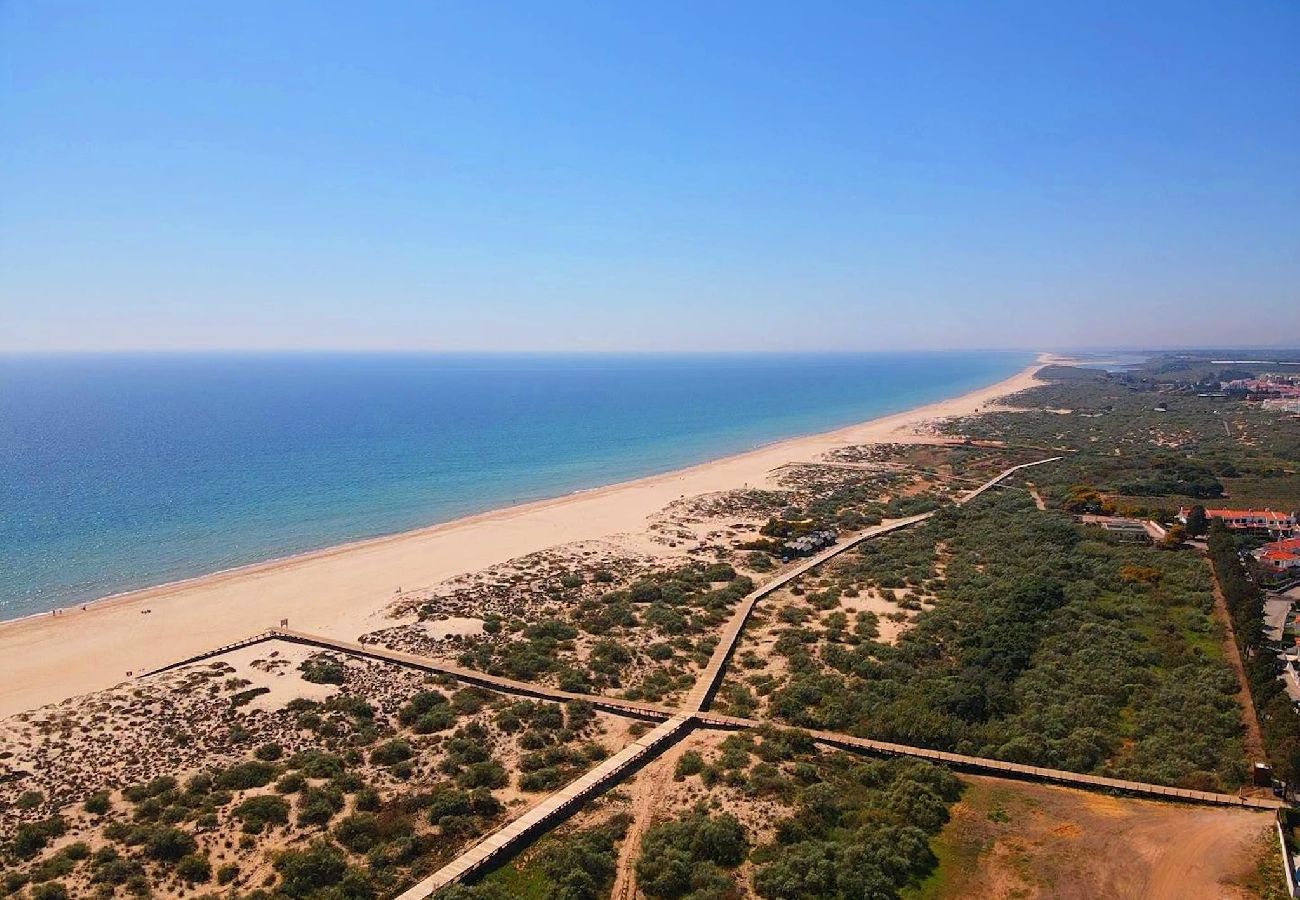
[342,591]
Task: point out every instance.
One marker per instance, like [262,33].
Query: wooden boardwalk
[472,676]
[215,651]
[983,766]
[707,684]
[555,807]
[711,677]
[694,713]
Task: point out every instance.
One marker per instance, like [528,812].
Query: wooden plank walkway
[1002,476]
[472,676]
[215,651]
[702,693]
[694,712]
[705,686]
[1004,769]
[554,807]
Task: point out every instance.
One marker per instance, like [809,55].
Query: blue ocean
[124,471]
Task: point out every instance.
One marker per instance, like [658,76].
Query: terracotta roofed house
[1280,556]
[1249,519]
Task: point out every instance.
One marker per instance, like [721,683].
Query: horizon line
[364,351]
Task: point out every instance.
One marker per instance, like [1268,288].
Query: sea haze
[119,472]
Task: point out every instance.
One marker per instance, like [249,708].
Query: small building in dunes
[810,543]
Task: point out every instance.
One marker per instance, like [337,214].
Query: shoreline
[50,656]
[164,587]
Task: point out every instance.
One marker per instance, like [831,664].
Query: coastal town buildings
[1266,520]
[1280,556]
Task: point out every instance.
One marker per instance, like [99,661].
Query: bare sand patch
[1012,839]
[460,626]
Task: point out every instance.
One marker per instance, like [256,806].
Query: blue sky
[648,176]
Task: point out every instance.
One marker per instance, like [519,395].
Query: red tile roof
[1270,515]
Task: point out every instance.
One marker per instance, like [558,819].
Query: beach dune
[341,591]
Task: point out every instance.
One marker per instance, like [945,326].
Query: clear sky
[554,175]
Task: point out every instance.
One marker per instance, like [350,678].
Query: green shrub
[419,705]
[688,764]
[290,783]
[98,803]
[243,698]
[317,805]
[257,812]
[317,764]
[31,837]
[29,800]
[719,572]
[194,868]
[311,871]
[467,701]
[245,775]
[361,832]
[169,844]
[323,669]
[393,751]
[367,799]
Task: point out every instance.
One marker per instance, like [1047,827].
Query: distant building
[811,542]
[1249,519]
[1123,528]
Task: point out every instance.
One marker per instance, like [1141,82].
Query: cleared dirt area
[1010,839]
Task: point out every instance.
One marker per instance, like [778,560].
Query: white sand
[342,590]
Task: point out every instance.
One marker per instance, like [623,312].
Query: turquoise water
[119,472]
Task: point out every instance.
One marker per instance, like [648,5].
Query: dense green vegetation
[1068,652]
[862,830]
[1147,440]
[690,856]
[853,827]
[576,865]
[1279,722]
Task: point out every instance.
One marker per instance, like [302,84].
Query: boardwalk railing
[693,712]
[705,686]
[215,651]
[982,765]
[556,806]
[472,676]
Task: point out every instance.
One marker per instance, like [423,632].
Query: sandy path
[1254,738]
[648,791]
[1038,498]
[341,591]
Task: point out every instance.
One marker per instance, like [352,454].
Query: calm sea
[119,472]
